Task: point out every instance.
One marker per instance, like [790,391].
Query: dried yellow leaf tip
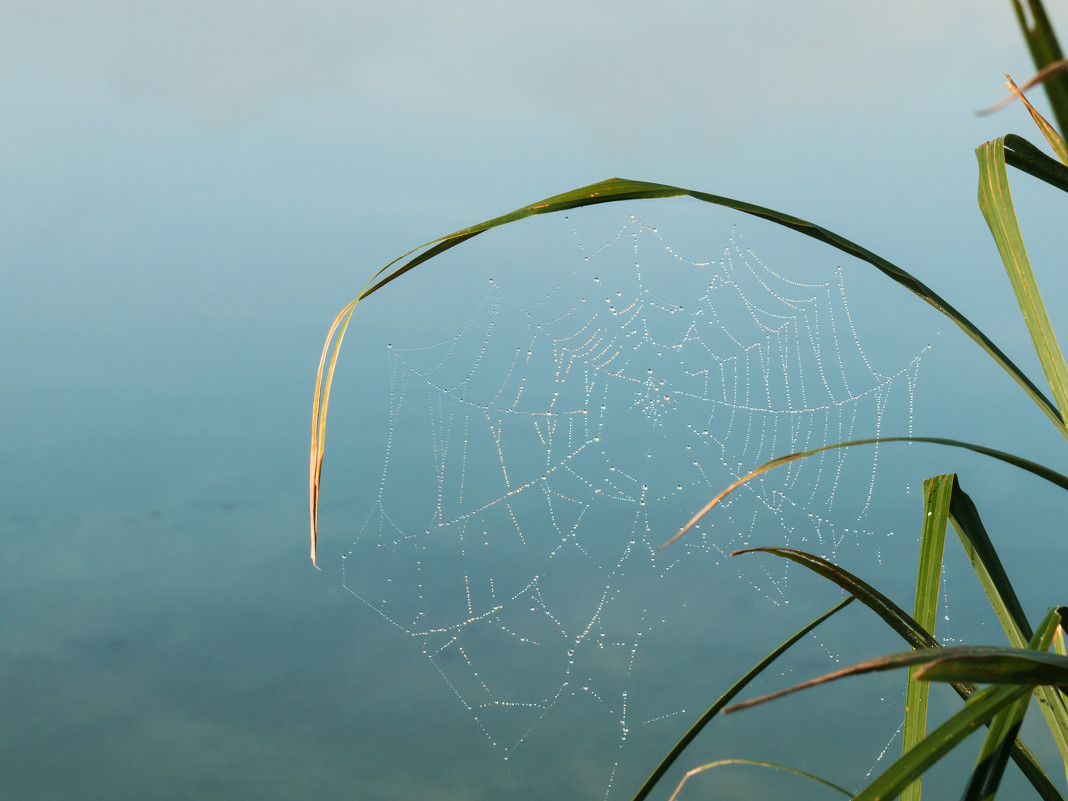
[1041,76]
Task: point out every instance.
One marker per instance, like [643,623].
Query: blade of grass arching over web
[618,189]
[1045,50]
[913,634]
[1017,461]
[760,764]
[737,687]
[937,492]
[995,201]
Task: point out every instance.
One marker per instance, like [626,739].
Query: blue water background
[189,195]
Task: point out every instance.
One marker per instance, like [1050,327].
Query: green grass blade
[987,565]
[995,201]
[997,666]
[1045,50]
[737,687]
[979,709]
[892,614]
[959,664]
[758,763]
[1024,156]
[937,493]
[917,657]
[1039,470]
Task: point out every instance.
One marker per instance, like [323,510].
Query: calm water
[189,195]
[165,636]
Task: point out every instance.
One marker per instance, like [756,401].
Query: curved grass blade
[892,614]
[758,763]
[618,189]
[737,687]
[957,663]
[937,497]
[988,567]
[909,659]
[1024,156]
[995,201]
[999,666]
[1017,461]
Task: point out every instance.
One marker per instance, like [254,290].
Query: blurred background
[190,191]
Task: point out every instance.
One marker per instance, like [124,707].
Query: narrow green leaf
[937,493]
[726,698]
[987,565]
[1016,461]
[995,201]
[979,709]
[960,664]
[894,616]
[997,666]
[909,659]
[1024,156]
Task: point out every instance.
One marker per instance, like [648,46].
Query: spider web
[539,455]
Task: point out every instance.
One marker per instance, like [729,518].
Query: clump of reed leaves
[1035,662]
